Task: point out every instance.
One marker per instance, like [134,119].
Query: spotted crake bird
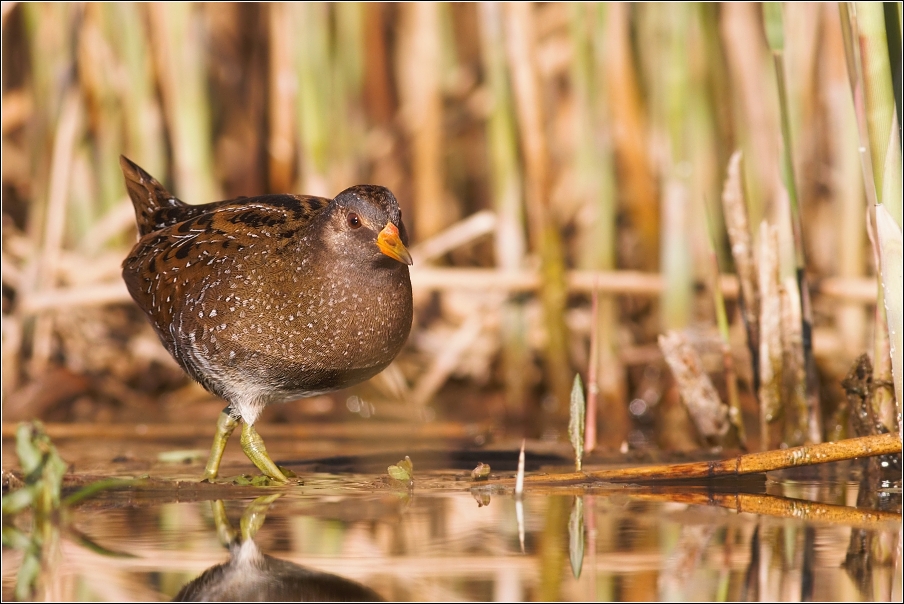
[271,298]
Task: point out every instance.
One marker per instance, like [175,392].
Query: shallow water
[341,535]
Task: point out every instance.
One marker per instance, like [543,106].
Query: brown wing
[182,260]
[156,208]
[261,209]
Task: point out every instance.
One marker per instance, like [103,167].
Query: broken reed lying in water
[752,463]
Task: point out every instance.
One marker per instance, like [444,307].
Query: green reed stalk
[505,176]
[664,35]
[542,221]
[850,31]
[847,186]
[595,178]
[883,401]
[638,187]
[313,70]
[346,117]
[55,128]
[880,100]
[97,66]
[773,20]
[552,548]
[125,29]
[49,29]
[731,381]
[718,87]
[179,47]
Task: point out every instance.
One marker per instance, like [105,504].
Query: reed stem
[543,226]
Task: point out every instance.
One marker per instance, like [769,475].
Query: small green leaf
[15,539]
[399,473]
[27,448]
[29,573]
[42,467]
[577,421]
[17,500]
[403,470]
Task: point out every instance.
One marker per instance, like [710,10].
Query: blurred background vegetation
[557,165]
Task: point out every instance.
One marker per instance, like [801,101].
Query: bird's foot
[253,445]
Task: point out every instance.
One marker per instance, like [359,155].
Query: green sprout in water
[42,470]
[577,421]
[403,471]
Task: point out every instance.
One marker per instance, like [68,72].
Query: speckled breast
[291,330]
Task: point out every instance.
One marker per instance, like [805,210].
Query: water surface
[344,535]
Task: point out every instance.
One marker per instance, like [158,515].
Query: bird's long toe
[253,445]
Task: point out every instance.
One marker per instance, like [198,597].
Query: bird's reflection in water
[252,576]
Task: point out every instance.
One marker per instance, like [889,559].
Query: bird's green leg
[225,425]
[225,532]
[254,515]
[253,446]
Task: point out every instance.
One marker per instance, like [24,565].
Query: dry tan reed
[542,154]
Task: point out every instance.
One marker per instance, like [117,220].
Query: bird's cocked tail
[148,196]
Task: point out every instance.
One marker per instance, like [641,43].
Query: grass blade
[577,421]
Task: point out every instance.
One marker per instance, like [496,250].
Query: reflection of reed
[425,564]
[446,544]
[401,567]
[762,505]
[784,507]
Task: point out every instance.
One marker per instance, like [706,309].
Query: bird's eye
[353,220]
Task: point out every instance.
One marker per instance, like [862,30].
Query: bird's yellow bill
[390,244]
